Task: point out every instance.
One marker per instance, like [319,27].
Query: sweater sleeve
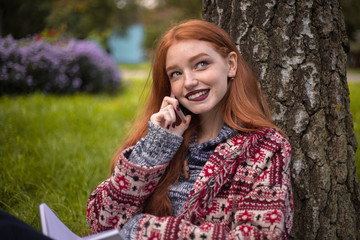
[119,198]
[264,211]
[139,169]
[156,148]
[130,228]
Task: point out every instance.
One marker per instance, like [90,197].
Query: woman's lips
[198,95]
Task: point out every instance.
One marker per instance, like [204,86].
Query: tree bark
[298,51]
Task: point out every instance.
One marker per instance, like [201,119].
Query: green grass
[57,149]
[353,70]
[355,111]
[144,66]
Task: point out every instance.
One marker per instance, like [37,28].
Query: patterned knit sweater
[158,147]
[243,191]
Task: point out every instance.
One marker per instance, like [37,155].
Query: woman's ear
[232,63]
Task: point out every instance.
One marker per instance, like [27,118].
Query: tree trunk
[298,51]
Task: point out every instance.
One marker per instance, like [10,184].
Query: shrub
[64,67]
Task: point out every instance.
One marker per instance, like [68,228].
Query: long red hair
[243,105]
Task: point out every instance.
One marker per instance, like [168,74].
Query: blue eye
[202,64]
[175,74]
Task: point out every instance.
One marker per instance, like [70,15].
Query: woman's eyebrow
[169,68]
[198,56]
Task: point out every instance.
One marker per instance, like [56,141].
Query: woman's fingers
[175,103]
[165,117]
[169,101]
[171,116]
[180,129]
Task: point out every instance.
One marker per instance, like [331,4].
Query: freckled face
[198,74]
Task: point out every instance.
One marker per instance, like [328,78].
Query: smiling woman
[219,171]
[198,77]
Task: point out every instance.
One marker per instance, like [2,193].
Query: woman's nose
[190,80]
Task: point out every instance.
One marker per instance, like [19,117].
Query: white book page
[107,235]
[54,228]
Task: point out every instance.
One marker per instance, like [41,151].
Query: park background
[56,143]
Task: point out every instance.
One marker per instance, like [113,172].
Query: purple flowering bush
[65,67]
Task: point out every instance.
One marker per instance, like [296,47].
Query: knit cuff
[156,148]
[130,228]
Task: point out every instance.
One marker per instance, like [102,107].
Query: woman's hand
[166,117]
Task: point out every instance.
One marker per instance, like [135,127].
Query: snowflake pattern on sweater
[243,192]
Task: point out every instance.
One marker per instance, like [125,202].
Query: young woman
[219,171]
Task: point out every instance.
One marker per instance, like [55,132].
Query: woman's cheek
[176,89]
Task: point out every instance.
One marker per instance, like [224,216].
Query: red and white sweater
[243,192]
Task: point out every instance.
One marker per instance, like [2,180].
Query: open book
[54,228]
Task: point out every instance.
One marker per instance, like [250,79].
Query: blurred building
[128,47]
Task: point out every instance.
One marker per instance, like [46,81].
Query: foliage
[355,111]
[65,67]
[96,18]
[57,149]
[22,18]
[173,11]
[190,8]
[80,17]
[350,9]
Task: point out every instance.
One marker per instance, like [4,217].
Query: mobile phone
[179,111]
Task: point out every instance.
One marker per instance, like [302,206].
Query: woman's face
[199,75]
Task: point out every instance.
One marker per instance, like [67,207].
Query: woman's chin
[198,111]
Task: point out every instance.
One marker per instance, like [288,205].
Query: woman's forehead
[189,49]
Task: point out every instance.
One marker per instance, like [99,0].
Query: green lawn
[355,111]
[57,149]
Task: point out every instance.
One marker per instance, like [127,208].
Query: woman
[219,172]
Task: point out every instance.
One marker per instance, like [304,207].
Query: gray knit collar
[225,133]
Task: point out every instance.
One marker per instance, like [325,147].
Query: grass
[355,111]
[144,66]
[353,70]
[57,149]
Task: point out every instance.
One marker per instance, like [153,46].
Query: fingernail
[178,107]
[173,125]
